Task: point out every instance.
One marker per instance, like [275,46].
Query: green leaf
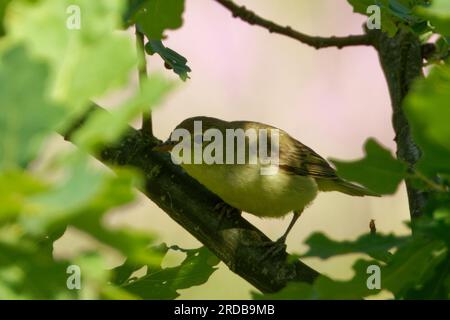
[59,204]
[28,116]
[436,286]
[412,266]
[3,6]
[155,16]
[27,271]
[171,58]
[326,288]
[428,110]
[163,283]
[379,170]
[131,243]
[438,13]
[86,62]
[47,73]
[394,13]
[15,187]
[93,134]
[375,245]
[122,273]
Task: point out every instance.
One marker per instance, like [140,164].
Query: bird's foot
[274,248]
[225,210]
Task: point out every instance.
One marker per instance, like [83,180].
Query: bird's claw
[225,210]
[274,248]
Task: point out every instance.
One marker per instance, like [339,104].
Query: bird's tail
[344,187]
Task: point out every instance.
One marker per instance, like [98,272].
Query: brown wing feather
[302,160]
[295,157]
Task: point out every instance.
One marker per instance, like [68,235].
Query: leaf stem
[429,182]
[147,126]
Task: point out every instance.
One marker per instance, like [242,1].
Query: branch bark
[401,60]
[232,239]
[317,42]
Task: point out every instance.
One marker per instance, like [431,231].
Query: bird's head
[194,127]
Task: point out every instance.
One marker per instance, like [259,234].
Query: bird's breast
[244,187]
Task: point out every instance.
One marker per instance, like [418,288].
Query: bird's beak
[164,147]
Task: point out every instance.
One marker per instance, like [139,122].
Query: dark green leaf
[153,17]
[326,288]
[379,170]
[123,272]
[394,13]
[164,283]
[171,58]
[375,245]
[428,110]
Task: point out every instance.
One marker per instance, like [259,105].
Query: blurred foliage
[3,5]
[438,15]
[428,110]
[49,74]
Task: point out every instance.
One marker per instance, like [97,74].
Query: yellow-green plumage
[302,173]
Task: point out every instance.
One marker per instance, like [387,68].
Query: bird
[299,172]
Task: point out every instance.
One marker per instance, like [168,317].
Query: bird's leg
[280,245]
[225,210]
[295,217]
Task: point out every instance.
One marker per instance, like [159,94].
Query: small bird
[301,173]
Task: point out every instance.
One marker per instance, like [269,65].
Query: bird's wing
[304,161]
[295,157]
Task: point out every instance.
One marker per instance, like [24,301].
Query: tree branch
[401,60]
[232,239]
[317,42]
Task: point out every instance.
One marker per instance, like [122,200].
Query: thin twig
[317,42]
[429,182]
[147,125]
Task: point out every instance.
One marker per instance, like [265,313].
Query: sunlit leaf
[86,62]
[105,127]
[28,116]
